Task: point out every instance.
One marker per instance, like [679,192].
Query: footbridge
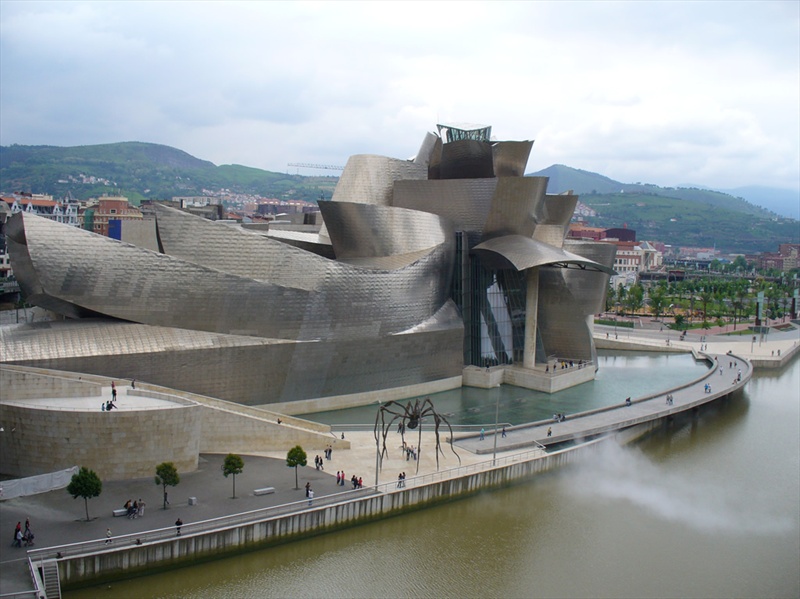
[726,373]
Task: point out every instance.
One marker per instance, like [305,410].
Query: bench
[120,512]
[264,491]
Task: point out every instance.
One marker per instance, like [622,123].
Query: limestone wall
[30,383]
[116,445]
[229,432]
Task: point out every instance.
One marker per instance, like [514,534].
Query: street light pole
[496,418]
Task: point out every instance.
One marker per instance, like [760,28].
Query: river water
[709,506]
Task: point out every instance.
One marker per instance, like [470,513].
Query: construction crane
[329,167]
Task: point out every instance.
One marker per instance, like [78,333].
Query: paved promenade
[58,519]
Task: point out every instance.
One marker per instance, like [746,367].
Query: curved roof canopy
[523,253]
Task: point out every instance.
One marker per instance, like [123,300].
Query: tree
[658,301]
[296,457]
[679,321]
[85,484]
[740,264]
[635,299]
[167,476]
[233,464]
[705,298]
[620,296]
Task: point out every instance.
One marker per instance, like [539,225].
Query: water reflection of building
[449,259]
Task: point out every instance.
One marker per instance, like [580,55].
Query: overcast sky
[659,92]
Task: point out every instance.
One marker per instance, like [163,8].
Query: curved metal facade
[414,256]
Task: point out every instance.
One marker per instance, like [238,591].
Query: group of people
[340,478]
[410,451]
[401,480]
[135,508]
[559,417]
[707,387]
[564,365]
[318,463]
[670,399]
[21,536]
[111,404]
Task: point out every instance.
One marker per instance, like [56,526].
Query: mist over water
[674,494]
[705,507]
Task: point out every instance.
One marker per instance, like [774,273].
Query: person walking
[310,496]
[549,431]
[108,536]
[482,434]
[178,524]
[17,538]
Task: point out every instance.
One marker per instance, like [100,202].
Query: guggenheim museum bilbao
[422,270]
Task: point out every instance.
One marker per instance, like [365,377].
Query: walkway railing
[263,514]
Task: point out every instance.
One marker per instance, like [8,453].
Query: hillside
[142,170]
[684,216]
[586,183]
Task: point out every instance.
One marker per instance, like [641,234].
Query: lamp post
[496,418]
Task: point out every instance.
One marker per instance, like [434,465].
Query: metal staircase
[52,582]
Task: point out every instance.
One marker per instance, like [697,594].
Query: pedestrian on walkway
[108,536]
[178,524]
[549,431]
[504,432]
[310,496]
[482,434]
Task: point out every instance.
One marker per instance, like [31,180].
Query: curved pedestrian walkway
[726,374]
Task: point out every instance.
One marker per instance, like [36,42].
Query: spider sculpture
[409,417]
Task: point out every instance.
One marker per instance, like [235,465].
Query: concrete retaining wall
[31,384]
[546,382]
[124,562]
[116,445]
[233,428]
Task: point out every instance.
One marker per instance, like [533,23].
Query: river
[709,506]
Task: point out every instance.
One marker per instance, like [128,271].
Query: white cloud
[660,92]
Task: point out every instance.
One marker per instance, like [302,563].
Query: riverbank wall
[127,557]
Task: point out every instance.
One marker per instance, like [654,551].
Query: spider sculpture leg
[429,409]
[385,427]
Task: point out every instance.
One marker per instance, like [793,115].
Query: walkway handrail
[267,513]
[456,427]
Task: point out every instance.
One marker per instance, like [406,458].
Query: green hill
[142,170]
[585,183]
[684,216]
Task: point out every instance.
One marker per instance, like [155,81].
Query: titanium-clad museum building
[421,267]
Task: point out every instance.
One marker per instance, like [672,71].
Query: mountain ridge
[139,170]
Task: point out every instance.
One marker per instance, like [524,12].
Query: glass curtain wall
[492,304]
